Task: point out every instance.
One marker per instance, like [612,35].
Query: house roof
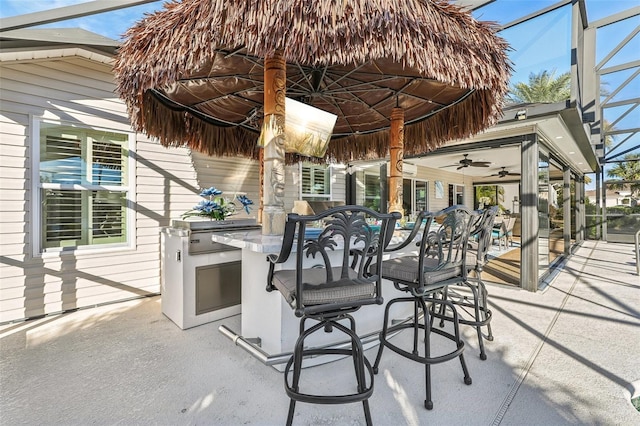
[26,39]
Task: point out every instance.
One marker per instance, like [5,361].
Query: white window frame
[36,196]
[457,189]
[321,197]
[414,181]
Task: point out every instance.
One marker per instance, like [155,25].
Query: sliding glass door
[543,213]
[556,212]
[415,196]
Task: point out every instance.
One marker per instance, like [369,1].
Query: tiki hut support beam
[273,215]
[396,148]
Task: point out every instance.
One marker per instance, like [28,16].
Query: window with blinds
[83,186]
[315,182]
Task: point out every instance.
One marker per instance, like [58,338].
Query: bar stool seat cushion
[316,289]
[405,269]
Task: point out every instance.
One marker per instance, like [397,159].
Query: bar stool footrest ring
[328,399]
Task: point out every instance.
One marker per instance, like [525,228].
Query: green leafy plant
[542,87]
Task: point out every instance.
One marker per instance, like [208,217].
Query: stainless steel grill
[201,279]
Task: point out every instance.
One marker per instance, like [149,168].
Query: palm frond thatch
[192,74]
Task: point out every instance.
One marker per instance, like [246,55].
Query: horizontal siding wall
[233,176]
[78,90]
[166,183]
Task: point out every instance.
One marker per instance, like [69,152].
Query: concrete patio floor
[566,355]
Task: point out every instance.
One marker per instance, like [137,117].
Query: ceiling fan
[465,162]
[504,172]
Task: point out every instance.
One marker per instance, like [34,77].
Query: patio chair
[474,310]
[439,263]
[330,293]
[504,233]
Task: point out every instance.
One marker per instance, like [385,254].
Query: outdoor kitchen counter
[268,322]
[252,240]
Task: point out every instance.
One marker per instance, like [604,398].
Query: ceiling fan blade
[482,164]
[461,167]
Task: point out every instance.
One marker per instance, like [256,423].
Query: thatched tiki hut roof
[192,74]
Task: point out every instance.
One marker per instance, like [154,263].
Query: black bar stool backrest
[481,233]
[442,239]
[333,283]
[446,242]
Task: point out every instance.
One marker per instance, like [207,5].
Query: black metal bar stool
[440,262]
[474,310]
[330,293]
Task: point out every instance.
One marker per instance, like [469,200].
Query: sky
[114,24]
[111,24]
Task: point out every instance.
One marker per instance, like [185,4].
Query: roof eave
[30,54]
[57,38]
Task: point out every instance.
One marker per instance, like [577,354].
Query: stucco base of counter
[268,319]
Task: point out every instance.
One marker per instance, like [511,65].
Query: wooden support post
[273,215]
[396,149]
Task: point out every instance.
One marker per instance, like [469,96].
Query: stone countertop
[256,242]
[252,240]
